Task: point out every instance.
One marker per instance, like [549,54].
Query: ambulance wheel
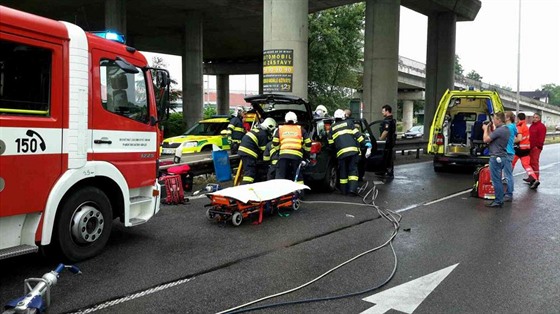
[83,224]
[296,204]
[236,219]
[211,216]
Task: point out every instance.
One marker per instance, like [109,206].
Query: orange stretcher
[240,202]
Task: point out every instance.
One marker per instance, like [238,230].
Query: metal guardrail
[202,163]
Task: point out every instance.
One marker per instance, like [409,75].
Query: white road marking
[408,296]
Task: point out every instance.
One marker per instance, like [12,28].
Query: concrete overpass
[412,82]
[229,37]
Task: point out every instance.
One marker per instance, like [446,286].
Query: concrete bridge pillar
[285,35]
[381,54]
[440,62]
[222,101]
[192,68]
[408,99]
[115,15]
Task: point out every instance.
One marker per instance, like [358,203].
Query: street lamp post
[518,58]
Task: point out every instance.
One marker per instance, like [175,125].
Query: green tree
[209,111]
[458,67]
[336,41]
[174,125]
[473,75]
[554,90]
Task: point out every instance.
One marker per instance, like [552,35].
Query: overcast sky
[487,45]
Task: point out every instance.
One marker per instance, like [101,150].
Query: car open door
[375,162]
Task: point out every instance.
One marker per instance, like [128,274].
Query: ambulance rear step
[18,250]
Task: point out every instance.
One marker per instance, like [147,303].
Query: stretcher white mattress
[261,191]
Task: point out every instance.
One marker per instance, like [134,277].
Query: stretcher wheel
[236,218]
[211,216]
[296,204]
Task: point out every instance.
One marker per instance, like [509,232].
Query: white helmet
[268,125]
[339,114]
[290,116]
[239,111]
[323,109]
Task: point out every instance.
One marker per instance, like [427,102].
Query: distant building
[540,95]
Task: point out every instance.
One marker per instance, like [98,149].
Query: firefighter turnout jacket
[253,143]
[292,141]
[235,130]
[346,138]
[271,154]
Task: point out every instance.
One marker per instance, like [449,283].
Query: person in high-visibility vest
[236,130]
[294,144]
[346,139]
[523,148]
[252,147]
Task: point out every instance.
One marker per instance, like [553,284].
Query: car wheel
[439,167]
[328,184]
[83,225]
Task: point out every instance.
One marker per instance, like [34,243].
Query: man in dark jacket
[236,130]
[388,132]
[252,147]
[346,139]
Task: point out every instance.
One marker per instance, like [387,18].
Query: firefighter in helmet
[252,146]
[294,144]
[346,137]
[320,112]
[236,130]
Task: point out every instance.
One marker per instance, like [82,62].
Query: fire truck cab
[78,136]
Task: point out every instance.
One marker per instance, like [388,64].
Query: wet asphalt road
[507,259]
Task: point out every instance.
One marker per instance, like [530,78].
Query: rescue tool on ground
[79,136]
[38,298]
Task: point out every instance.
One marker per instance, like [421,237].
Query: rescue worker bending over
[270,156]
[236,130]
[252,146]
[294,144]
[346,138]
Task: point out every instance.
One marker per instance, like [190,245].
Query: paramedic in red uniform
[523,148]
[537,133]
[294,144]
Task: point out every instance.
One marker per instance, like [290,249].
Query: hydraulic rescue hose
[368,199]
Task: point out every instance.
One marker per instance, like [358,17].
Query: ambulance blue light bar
[111,35]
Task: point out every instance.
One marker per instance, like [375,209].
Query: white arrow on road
[408,296]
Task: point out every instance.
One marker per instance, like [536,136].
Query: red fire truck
[79,136]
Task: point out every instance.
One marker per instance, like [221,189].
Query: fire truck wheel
[236,219]
[83,224]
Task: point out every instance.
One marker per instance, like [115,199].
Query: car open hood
[257,100]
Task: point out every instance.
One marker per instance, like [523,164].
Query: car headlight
[190,144]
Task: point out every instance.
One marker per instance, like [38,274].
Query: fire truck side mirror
[162,79]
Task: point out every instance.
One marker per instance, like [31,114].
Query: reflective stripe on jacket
[292,141]
[253,143]
[236,130]
[271,153]
[523,129]
[346,138]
